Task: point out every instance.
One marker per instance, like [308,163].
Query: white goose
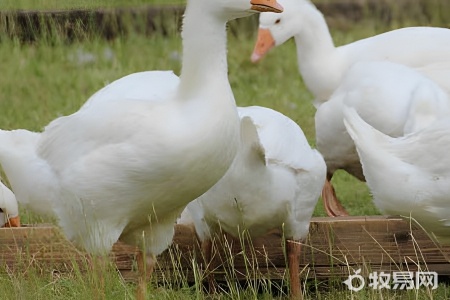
[409,175]
[393,98]
[322,65]
[127,163]
[274,182]
[9,210]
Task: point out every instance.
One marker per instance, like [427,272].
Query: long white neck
[314,38]
[318,58]
[204,50]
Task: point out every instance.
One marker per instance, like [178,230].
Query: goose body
[273,183]
[392,98]
[9,210]
[126,164]
[275,179]
[409,175]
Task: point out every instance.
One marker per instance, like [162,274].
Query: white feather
[273,183]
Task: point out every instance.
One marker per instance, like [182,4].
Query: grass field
[46,79]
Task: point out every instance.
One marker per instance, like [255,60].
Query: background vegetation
[71,4]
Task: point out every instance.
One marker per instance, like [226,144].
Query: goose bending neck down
[322,65]
[125,165]
[9,210]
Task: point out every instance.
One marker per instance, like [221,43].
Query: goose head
[9,210]
[233,9]
[275,29]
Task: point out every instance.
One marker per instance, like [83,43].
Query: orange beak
[266,6]
[13,222]
[264,43]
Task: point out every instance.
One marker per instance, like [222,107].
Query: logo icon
[355,277]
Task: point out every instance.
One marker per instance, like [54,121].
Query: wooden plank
[335,247]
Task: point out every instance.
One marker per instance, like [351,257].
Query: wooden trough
[335,248]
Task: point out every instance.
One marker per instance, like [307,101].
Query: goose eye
[277,21]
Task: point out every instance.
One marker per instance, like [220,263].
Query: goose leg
[207,246]
[145,264]
[331,203]
[13,222]
[293,250]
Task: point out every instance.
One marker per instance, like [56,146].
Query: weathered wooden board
[335,248]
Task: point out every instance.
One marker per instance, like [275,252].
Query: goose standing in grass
[9,210]
[322,65]
[273,183]
[127,163]
[408,176]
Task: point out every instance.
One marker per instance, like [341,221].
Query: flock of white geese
[147,146]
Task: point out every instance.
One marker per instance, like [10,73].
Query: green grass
[52,285]
[46,79]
